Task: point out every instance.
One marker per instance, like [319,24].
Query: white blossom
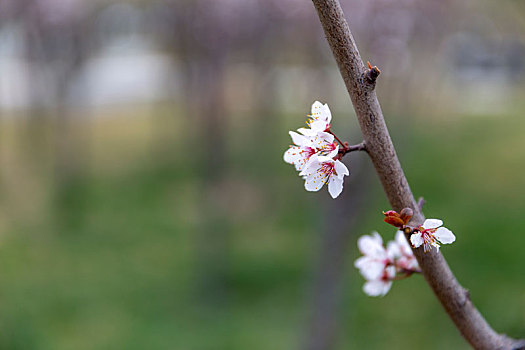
[375,256]
[320,117]
[315,154]
[299,153]
[380,286]
[402,253]
[322,170]
[432,234]
[376,265]
[308,142]
[379,266]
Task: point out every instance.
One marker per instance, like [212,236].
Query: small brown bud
[406,214]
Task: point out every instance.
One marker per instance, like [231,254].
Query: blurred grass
[115,263]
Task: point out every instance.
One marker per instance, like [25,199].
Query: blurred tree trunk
[37,125]
[339,229]
[201,44]
[71,133]
[213,244]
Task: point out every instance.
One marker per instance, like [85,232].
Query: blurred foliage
[144,203]
[115,264]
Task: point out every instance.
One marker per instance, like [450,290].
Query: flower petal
[325,113]
[401,240]
[371,246]
[377,238]
[314,179]
[390,272]
[292,154]
[377,288]
[325,137]
[335,186]
[444,235]
[321,112]
[313,184]
[432,223]
[370,268]
[333,153]
[316,107]
[416,239]
[298,139]
[307,132]
[393,250]
[319,125]
[403,243]
[325,159]
[322,144]
[298,156]
[313,164]
[340,168]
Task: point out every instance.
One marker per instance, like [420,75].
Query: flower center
[327,148]
[327,169]
[429,239]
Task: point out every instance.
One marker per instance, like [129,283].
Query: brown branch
[454,298]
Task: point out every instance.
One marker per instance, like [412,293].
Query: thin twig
[352,148]
[341,143]
[435,269]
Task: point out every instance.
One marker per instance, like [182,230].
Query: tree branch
[352,148]
[360,83]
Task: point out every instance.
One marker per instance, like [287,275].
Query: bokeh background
[144,203]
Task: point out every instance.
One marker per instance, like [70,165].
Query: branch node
[420,203]
[467,296]
[371,74]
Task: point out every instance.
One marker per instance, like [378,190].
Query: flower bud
[393,218]
[406,214]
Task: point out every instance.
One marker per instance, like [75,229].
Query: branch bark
[360,83]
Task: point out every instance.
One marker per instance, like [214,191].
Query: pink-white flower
[319,121]
[320,117]
[315,154]
[376,265]
[375,257]
[380,286]
[322,170]
[402,253]
[299,153]
[306,146]
[431,234]
[380,266]
[321,111]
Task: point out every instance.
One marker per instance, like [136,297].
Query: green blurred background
[144,203]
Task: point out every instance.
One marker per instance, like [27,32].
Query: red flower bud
[393,218]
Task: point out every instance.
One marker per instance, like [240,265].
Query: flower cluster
[380,266]
[316,155]
[430,234]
